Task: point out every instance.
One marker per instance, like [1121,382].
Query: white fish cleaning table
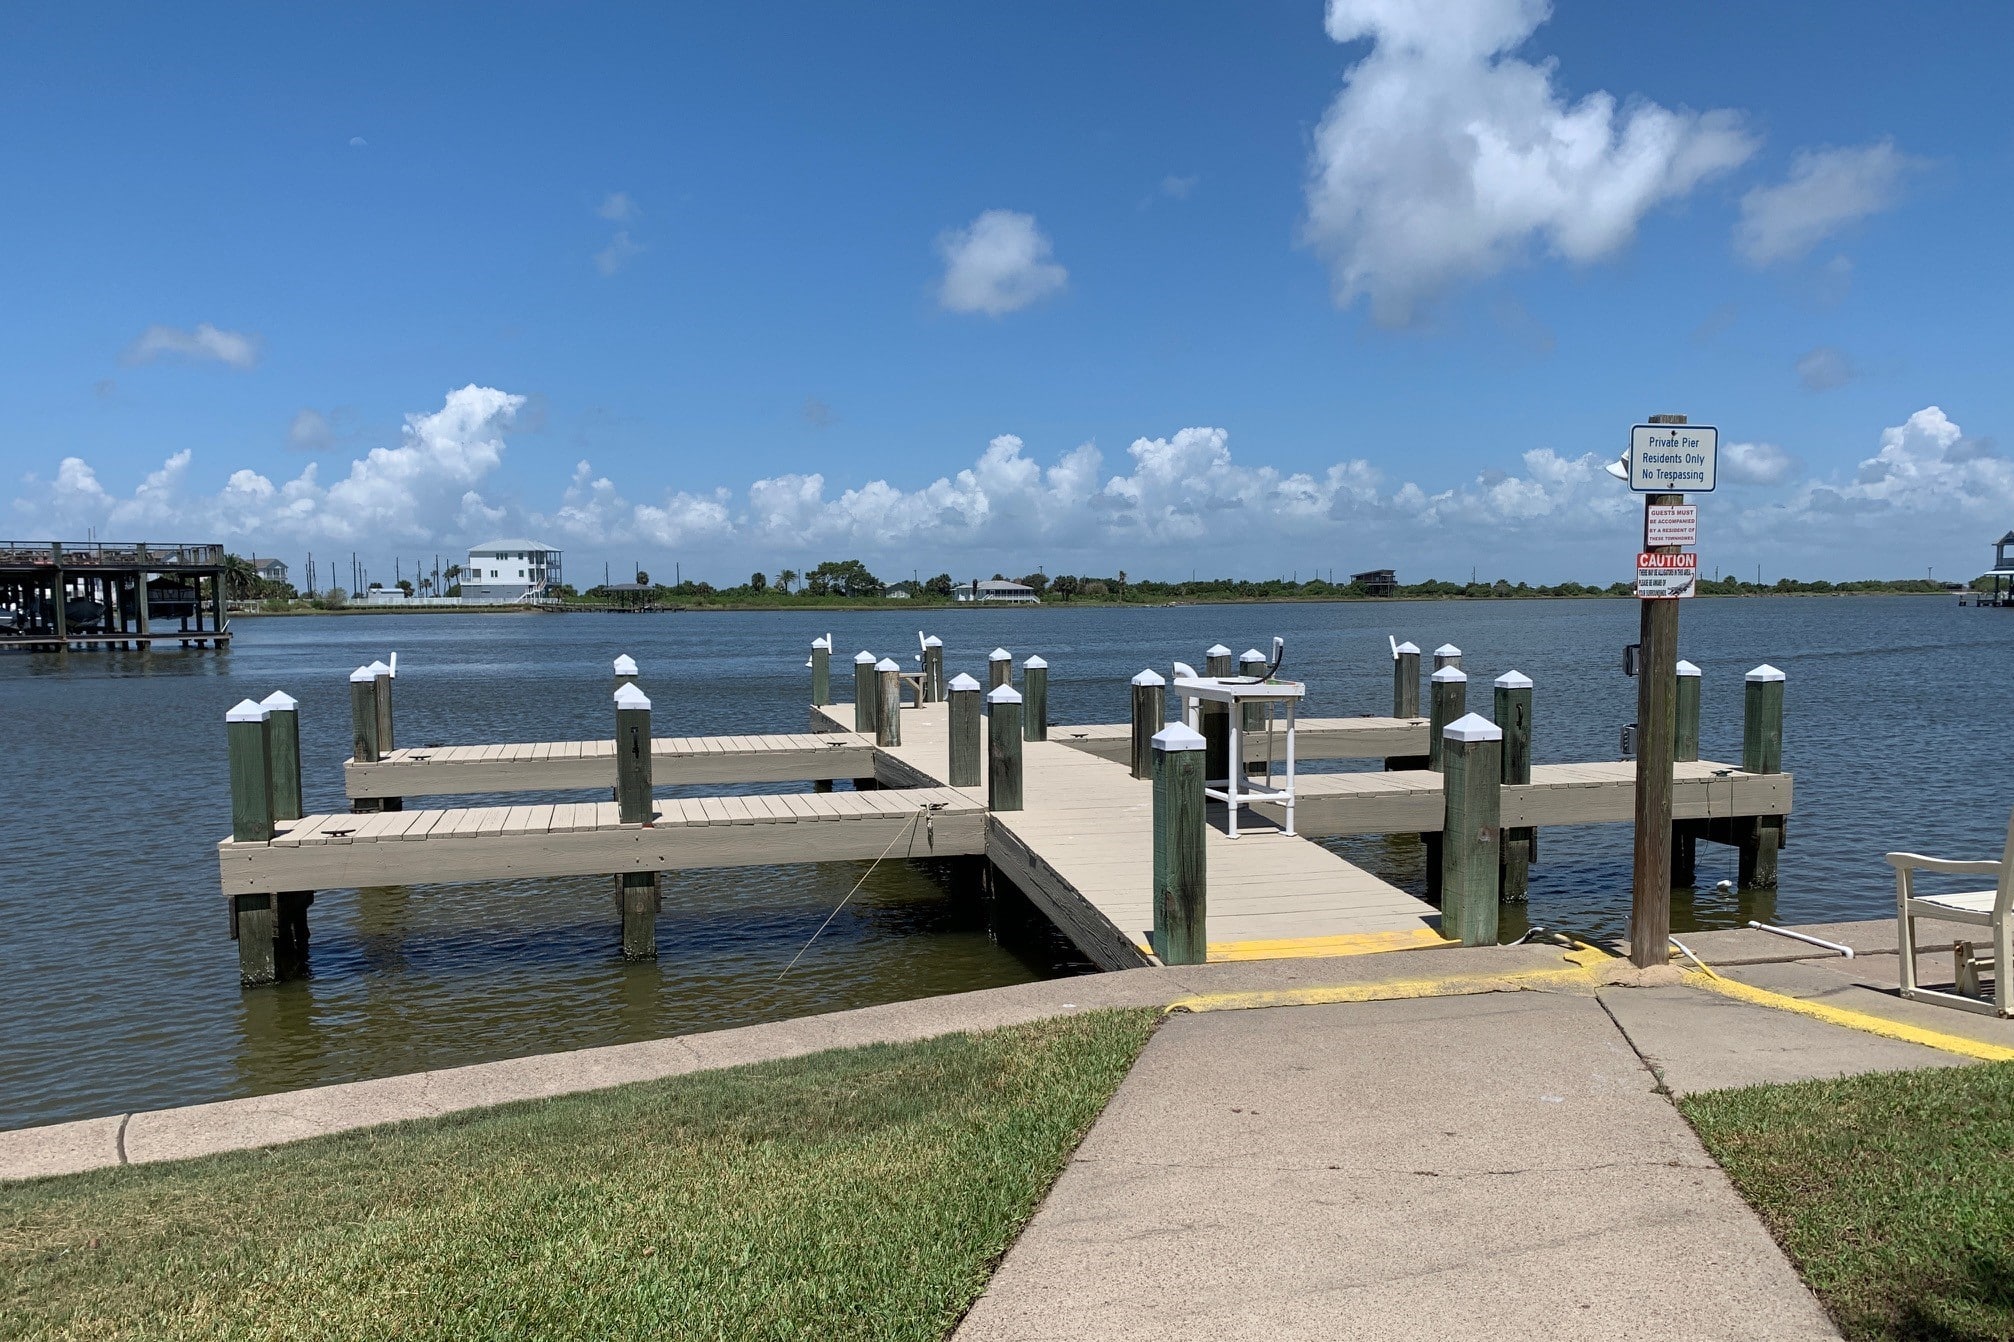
[1236,788]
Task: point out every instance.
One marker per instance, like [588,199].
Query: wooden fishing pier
[57,595]
[1108,828]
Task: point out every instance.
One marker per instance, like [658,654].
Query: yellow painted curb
[1584,973]
[1346,943]
[1852,1020]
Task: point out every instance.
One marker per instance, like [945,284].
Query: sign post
[1665,454]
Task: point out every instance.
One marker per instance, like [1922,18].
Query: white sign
[1665,577]
[1671,524]
[1672,458]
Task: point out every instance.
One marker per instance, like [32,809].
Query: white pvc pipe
[1846,951]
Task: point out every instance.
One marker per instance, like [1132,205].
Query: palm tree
[785,577]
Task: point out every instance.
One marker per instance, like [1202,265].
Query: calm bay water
[118,984]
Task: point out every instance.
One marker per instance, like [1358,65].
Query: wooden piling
[1035,700]
[888,708]
[1450,701]
[965,725]
[1513,718]
[1003,757]
[1761,753]
[821,672]
[625,670]
[364,730]
[254,925]
[999,668]
[1181,905]
[246,728]
[381,689]
[1406,681]
[1150,714]
[640,895]
[283,744]
[1472,792]
[866,693]
[1447,654]
[1215,719]
[632,756]
[1685,733]
[933,670]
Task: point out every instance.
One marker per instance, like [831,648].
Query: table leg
[1291,707]
[1237,763]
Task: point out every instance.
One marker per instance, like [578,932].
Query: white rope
[921,811]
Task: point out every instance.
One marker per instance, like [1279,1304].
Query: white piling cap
[1447,650]
[1217,650]
[629,696]
[1448,674]
[1036,664]
[1513,680]
[1150,677]
[1687,669]
[1251,655]
[246,711]
[279,701]
[380,669]
[1178,736]
[961,681]
[999,655]
[1406,647]
[822,642]
[362,674]
[887,664]
[1004,694]
[625,665]
[1472,727]
[864,659]
[1765,672]
[933,642]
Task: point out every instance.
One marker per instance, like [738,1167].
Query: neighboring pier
[56,595]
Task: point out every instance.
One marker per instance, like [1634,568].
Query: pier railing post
[1513,716]
[364,729]
[965,715]
[1003,754]
[253,921]
[1406,681]
[1450,691]
[866,692]
[933,670]
[1472,788]
[888,705]
[381,698]
[1150,714]
[1181,903]
[1447,654]
[1035,700]
[821,672]
[1761,753]
[1215,719]
[1685,734]
[632,756]
[625,670]
[283,742]
[999,668]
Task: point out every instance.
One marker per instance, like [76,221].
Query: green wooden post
[1447,654]
[1472,778]
[364,729]
[933,670]
[255,925]
[1003,755]
[866,692]
[640,894]
[283,741]
[1181,903]
[1685,738]
[999,668]
[888,702]
[1450,701]
[965,715]
[1513,716]
[1406,681]
[1214,720]
[381,702]
[632,756]
[821,671]
[246,728]
[1150,715]
[625,670]
[1761,753]
[1035,700]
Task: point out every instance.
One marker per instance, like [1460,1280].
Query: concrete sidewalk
[1468,1167]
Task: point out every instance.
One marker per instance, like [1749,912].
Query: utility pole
[1656,718]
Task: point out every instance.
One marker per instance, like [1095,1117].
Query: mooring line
[921,812]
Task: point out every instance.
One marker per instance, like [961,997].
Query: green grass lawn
[1893,1194]
[865,1193]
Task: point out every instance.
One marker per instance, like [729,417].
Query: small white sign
[1672,458]
[1671,524]
[1665,577]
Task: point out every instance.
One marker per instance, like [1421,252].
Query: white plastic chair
[1981,908]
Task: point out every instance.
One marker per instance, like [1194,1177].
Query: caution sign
[1665,577]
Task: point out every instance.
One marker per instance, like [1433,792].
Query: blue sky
[972,288]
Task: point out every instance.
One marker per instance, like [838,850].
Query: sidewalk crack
[119,1141]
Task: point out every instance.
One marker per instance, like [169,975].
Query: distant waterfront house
[899,592]
[1377,581]
[2001,575]
[510,570]
[997,590]
[270,570]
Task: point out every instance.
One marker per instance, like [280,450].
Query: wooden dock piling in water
[1181,878]
[866,693]
[1150,714]
[966,727]
[1004,750]
[888,709]
[1761,753]
[1035,699]
[821,671]
[1513,716]
[1472,790]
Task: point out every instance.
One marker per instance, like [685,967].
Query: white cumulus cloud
[206,343]
[1827,189]
[619,208]
[1446,157]
[1756,463]
[997,264]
